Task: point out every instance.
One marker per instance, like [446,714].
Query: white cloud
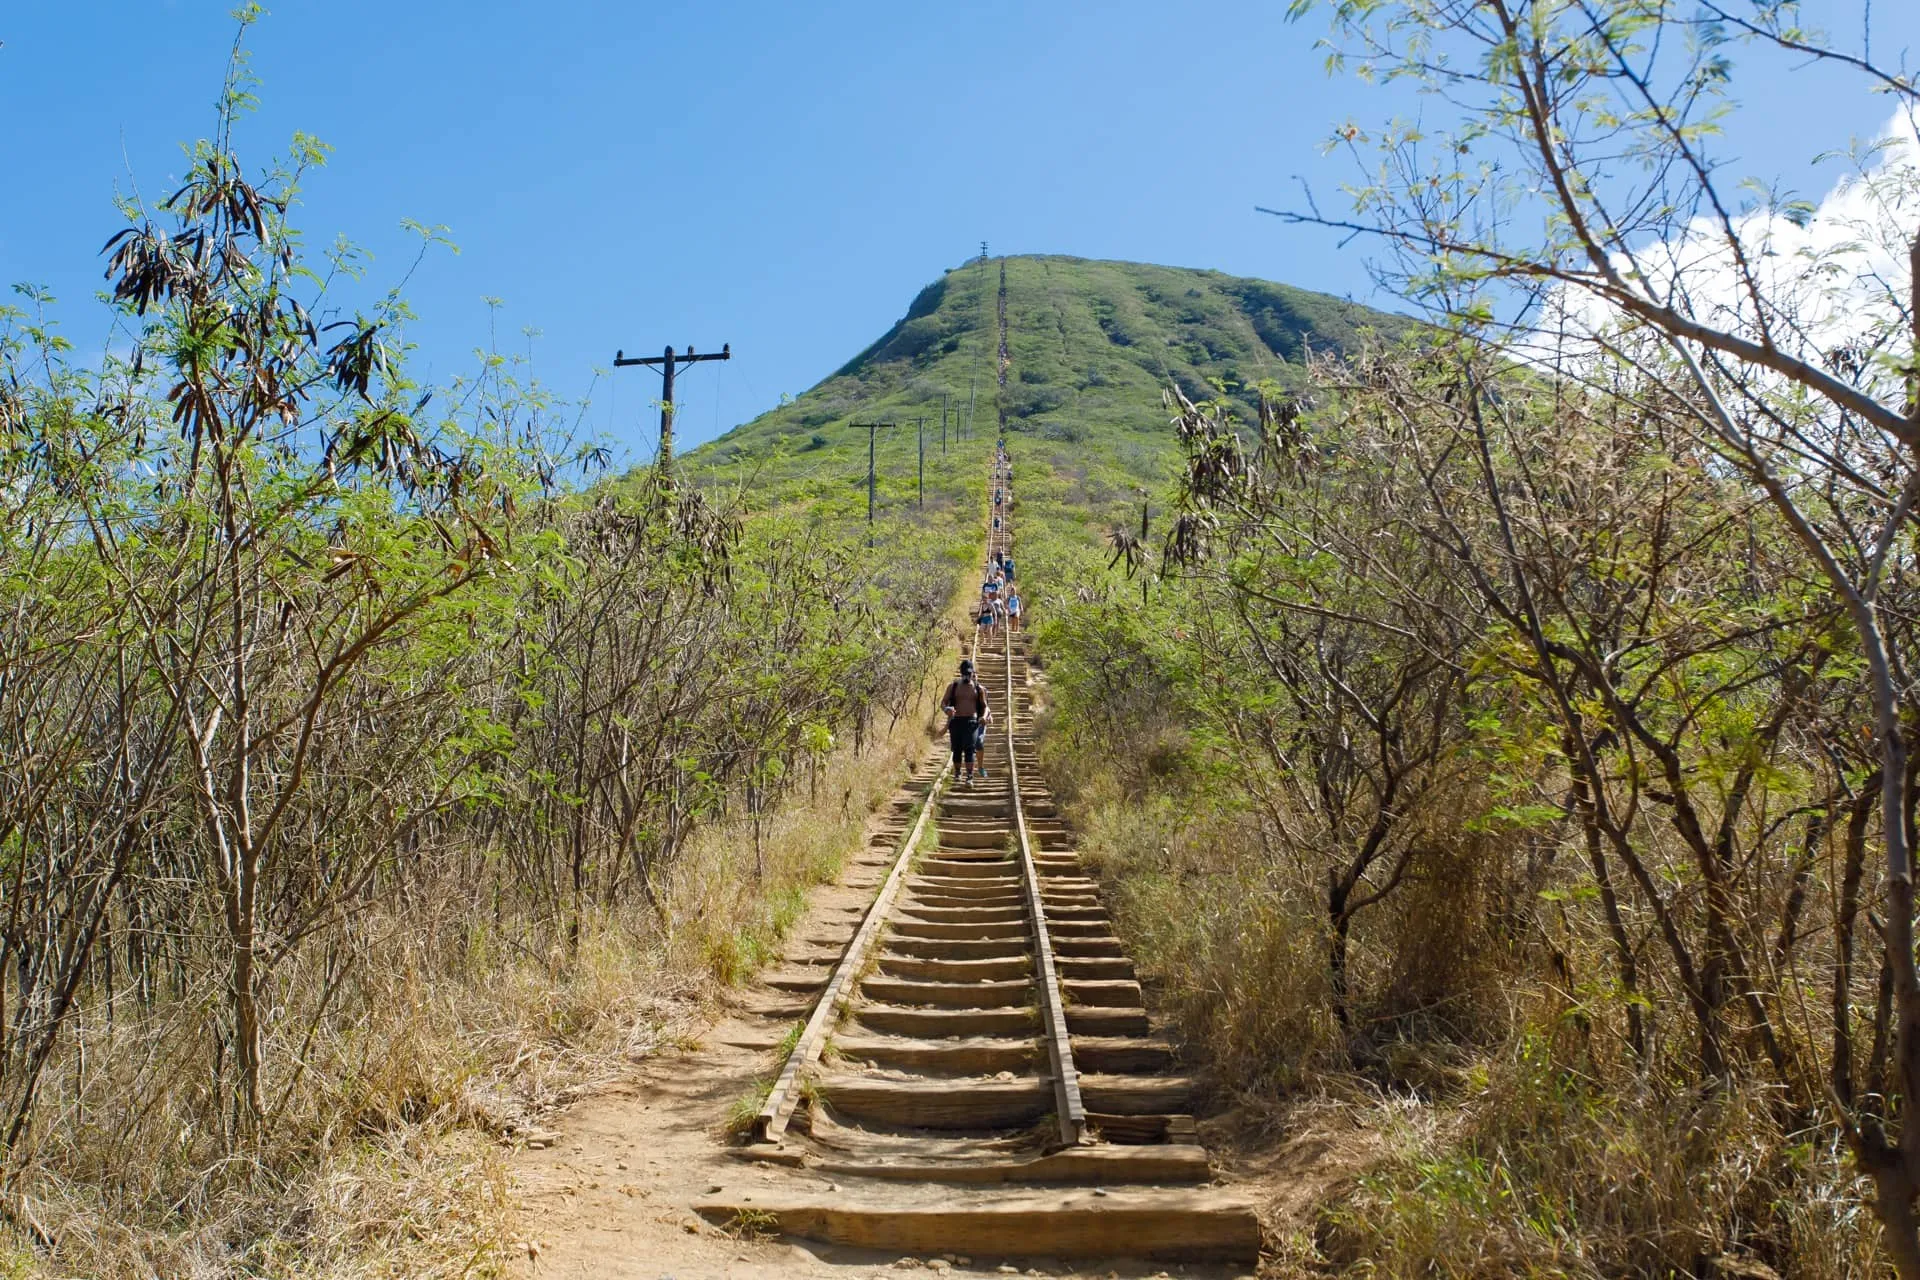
[1828,275]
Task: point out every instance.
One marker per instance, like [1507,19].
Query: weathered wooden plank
[951,970]
[946,1022]
[949,995]
[957,1104]
[968,1056]
[1169,1225]
[1095,1165]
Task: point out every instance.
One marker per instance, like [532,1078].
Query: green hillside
[1091,346]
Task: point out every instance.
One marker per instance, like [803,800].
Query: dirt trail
[972,1084]
[613,1197]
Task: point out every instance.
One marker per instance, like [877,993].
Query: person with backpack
[965,704]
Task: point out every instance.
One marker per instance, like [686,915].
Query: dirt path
[611,1198]
[948,1114]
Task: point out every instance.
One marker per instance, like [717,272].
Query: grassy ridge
[1093,345]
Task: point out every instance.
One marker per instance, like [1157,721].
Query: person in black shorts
[965,703]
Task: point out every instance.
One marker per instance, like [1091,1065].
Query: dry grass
[388,1158]
[1538,1171]
[1505,1133]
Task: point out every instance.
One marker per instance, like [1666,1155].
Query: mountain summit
[1089,347]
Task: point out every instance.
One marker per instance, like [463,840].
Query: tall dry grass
[388,1157]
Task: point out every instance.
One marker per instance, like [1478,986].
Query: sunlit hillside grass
[1092,344]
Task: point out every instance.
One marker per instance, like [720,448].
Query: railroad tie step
[928,1023]
[1114,993]
[972,865]
[1088,1020]
[1089,967]
[964,915]
[1076,947]
[973,838]
[1143,1129]
[1078,928]
[894,965]
[965,886]
[1090,1166]
[948,995]
[953,1104]
[957,1056]
[996,857]
[1135,1095]
[1196,1224]
[956,948]
[1113,1054]
[959,929]
[999,900]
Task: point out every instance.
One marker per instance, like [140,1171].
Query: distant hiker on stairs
[965,703]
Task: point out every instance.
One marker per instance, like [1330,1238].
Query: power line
[667,363]
[873,432]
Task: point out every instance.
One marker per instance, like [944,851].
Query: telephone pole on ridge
[922,423]
[668,363]
[873,432]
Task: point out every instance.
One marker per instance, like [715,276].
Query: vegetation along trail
[965,1068]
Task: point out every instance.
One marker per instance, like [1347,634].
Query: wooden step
[1075,947]
[1125,1095]
[981,868]
[1000,899]
[970,915]
[994,837]
[1199,1224]
[958,929]
[972,971]
[927,1022]
[1141,1129]
[964,886]
[1104,992]
[998,859]
[962,1103]
[948,995]
[1094,1165]
[960,1056]
[1088,1020]
[1121,1053]
[1087,967]
[957,948]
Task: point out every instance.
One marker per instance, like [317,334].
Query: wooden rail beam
[1068,1106]
[772,1121]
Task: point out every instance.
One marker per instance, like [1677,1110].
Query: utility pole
[943,424]
[668,362]
[873,432]
[922,423]
[972,387]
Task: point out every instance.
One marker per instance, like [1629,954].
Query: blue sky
[780,176]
